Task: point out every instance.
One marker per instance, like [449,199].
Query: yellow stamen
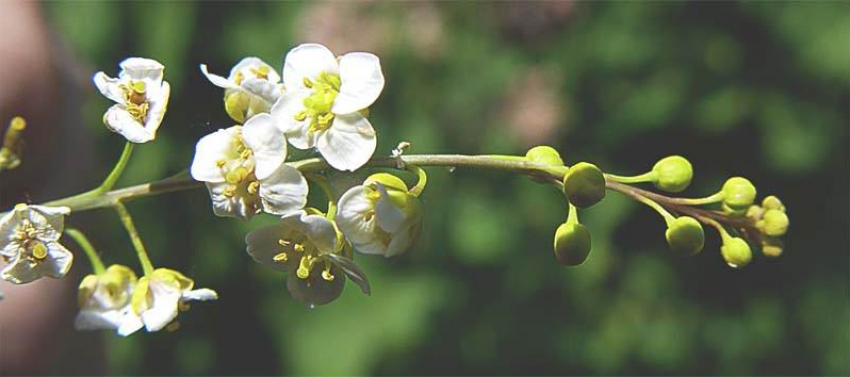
[39,251]
[304,267]
[280,258]
[308,83]
[253,187]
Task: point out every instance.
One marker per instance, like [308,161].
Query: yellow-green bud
[685,236]
[386,179]
[673,173]
[774,223]
[572,244]
[584,185]
[736,252]
[236,104]
[738,193]
[772,202]
[772,247]
[544,154]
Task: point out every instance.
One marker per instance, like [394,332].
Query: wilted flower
[29,236]
[244,169]
[141,98]
[158,298]
[309,249]
[104,301]
[251,88]
[325,102]
[380,216]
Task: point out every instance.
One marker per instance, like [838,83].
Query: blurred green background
[758,89]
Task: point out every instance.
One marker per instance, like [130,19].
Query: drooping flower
[104,301]
[251,88]
[29,242]
[244,170]
[158,298]
[326,101]
[309,249]
[380,216]
[141,98]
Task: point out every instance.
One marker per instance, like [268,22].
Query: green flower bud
[738,193]
[236,105]
[772,247]
[572,244]
[736,252]
[772,202]
[685,236]
[584,185]
[673,173]
[388,180]
[774,223]
[544,154]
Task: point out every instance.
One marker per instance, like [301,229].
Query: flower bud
[572,244]
[738,193]
[774,223]
[772,202]
[685,236]
[386,179]
[544,154]
[772,247]
[736,252]
[584,185]
[673,173]
[236,104]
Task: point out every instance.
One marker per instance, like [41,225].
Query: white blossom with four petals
[29,243]
[244,170]
[251,88]
[141,98]
[325,102]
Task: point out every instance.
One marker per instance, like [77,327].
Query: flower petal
[284,191]
[307,61]
[318,229]
[56,265]
[158,105]
[202,294]
[349,143]
[120,121]
[263,245]
[217,80]
[284,111]
[362,82]
[353,210]
[165,297]
[130,324]
[267,142]
[242,205]
[49,221]
[247,64]
[389,217]
[109,87]
[141,69]
[209,150]
[264,90]
[98,320]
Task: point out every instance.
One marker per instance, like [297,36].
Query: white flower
[324,103]
[300,245]
[158,298]
[29,238]
[380,216]
[251,88]
[105,299]
[141,99]
[244,169]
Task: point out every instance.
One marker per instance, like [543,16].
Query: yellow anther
[137,110]
[183,306]
[303,271]
[236,175]
[326,274]
[245,154]
[261,72]
[238,78]
[299,247]
[138,86]
[229,191]
[280,258]
[301,116]
[284,243]
[253,187]
[221,162]
[308,83]
[39,250]
[173,326]
[369,215]
[325,120]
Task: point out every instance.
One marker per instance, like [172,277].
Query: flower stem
[116,172]
[80,239]
[646,177]
[124,215]
[422,179]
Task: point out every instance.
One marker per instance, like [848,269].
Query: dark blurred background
[758,89]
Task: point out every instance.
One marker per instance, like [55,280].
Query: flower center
[34,250]
[238,169]
[300,247]
[317,106]
[261,72]
[136,99]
